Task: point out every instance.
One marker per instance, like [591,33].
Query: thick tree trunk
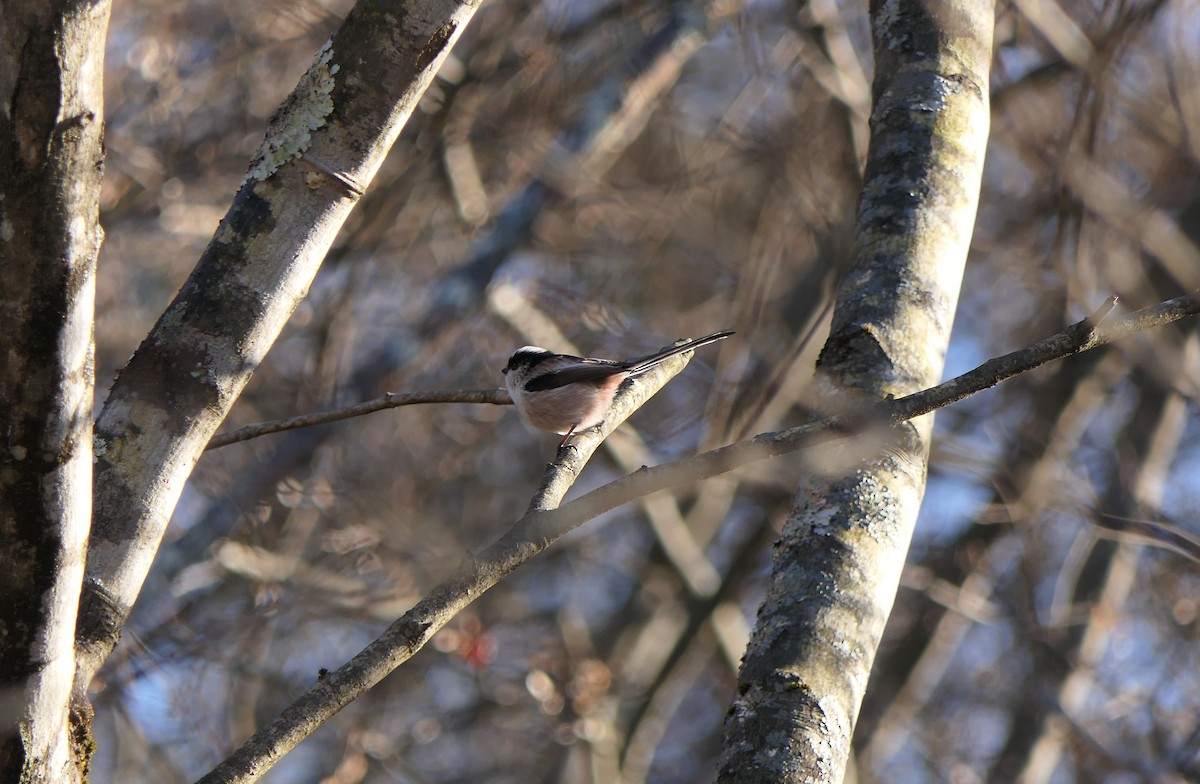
[51,155]
[837,566]
[323,147]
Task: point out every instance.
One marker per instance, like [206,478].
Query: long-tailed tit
[565,394]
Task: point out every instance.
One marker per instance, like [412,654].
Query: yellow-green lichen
[302,112]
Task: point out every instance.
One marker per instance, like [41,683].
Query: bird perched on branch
[565,394]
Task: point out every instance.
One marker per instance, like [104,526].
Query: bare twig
[495,397]
[1161,535]
[1079,337]
[541,526]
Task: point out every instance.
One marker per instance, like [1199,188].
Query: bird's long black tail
[645,363]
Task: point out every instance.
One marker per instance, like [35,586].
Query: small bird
[564,394]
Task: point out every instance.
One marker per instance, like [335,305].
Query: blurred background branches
[605,177]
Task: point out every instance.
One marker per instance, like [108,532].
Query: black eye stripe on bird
[564,394]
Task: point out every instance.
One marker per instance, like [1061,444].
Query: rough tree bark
[323,147]
[837,566]
[51,154]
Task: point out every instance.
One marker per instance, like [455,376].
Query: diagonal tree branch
[462,291]
[1083,336]
[322,149]
[410,633]
[544,524]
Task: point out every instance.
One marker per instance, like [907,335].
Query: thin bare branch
[495,397]
[1079,337]
[1148,532]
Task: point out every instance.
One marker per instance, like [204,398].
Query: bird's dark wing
[587,370]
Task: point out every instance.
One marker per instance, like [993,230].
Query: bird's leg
[567,437]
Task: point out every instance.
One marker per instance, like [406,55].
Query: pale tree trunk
[51,155]
[837,566]
[323,147]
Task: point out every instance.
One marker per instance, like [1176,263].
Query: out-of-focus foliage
[1021,643]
